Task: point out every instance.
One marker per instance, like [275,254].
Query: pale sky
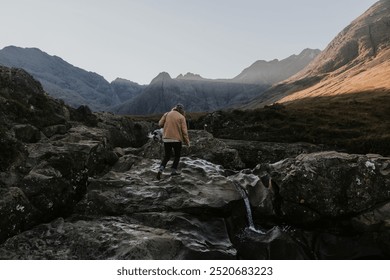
[138,39]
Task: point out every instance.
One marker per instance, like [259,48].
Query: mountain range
[78,87]
[64,81]
[356,60]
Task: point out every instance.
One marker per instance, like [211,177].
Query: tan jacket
[175,127]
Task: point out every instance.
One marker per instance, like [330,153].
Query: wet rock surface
[126,213]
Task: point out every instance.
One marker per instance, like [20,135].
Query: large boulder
[27,133]
[202,188]
[50,177]
[128,214]
[332,185]
[120,238]
[122,131]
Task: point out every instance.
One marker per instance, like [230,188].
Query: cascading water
[244,194]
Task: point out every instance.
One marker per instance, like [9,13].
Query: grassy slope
[357,123]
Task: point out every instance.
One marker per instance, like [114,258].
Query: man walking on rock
[175,133]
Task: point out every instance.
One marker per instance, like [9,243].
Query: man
[175,133]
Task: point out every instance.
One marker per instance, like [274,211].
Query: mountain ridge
[204,95]
[78,87]
[273,71]
[61,79]
[356,60]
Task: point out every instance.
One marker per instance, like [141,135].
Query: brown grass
[356,122]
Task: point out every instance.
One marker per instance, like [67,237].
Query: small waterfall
[245,197]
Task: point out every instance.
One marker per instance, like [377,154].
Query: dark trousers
[168,147]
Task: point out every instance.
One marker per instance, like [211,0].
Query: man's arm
[184,131]
[162,120]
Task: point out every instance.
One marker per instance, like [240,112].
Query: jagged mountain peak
[190,76]
[123,81]
[162,77]
[312,53]
[274,71]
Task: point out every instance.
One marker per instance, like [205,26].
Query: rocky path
[319,205]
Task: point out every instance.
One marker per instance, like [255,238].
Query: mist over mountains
[78,87]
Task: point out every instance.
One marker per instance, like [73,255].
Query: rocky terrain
[81,185]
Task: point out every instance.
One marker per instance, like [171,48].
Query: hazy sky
[137,39]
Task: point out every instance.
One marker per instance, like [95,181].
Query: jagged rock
[261,195]
[27,133]
[50,178]
[373,220]
[202,188]
[255,152]
[105,238]
[17,214]
[193,228]
[205,146]
[119,238]
[84,114]
[23,101]
[204,237]
[49,131]
[330,185]
[123,132]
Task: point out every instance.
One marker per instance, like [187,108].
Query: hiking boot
[175,173]
[160,171]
